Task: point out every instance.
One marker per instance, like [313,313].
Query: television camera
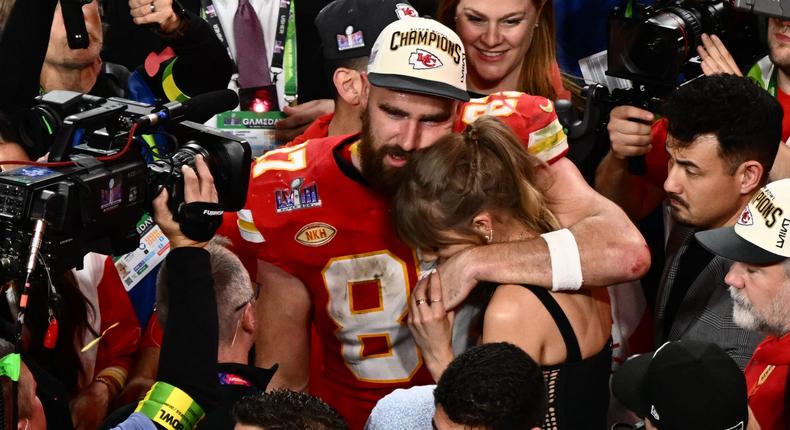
[103,174]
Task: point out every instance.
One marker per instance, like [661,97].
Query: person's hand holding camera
[629,131]
[716,58]
[198,187]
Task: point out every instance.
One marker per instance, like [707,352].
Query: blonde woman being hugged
[482,187]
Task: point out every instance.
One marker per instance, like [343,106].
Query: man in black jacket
[208,317]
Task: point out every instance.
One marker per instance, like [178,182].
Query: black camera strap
[200,220]
[209,13]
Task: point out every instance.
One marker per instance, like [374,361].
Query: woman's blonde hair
[541,57]
[484,168]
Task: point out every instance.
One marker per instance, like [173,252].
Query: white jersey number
[391,354]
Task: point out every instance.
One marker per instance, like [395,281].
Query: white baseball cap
[419,55]
[761,234]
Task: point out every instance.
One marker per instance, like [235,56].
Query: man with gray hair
[236,296]
[759,283]
[235,302]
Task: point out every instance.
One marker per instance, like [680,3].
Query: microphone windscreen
[203,106]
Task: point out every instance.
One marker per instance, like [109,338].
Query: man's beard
[746,316]
[782,62]
[374,170]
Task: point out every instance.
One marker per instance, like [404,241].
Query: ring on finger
[418,302]
[152,8]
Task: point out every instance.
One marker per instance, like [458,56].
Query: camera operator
[722,133]
[35,57]
[200,268]
[635,132]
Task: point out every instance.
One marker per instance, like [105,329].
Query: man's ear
[248,318]
[750,174]
[349,85]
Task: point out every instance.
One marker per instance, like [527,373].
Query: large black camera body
[656,46]
[95,204]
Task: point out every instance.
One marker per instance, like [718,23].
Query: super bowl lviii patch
[298,196]
[352,39]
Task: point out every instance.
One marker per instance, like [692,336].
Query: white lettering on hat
[422,59]
[746,217]
[404,10]
[738,426]
[654,412]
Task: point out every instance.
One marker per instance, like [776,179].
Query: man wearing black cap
[759,283]
[348,29]
[685,385]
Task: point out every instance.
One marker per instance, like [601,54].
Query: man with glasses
[236,299]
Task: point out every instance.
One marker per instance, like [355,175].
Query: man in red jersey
[317,216]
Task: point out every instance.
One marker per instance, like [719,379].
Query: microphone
[199,108]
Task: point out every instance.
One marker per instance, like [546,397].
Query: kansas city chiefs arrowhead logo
[422,59]
[746,217]
[404,10]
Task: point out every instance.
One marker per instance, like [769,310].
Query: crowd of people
[418,251]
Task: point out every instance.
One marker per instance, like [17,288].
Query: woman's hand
[431,325]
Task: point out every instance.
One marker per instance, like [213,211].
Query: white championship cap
[761,234]
[419,55]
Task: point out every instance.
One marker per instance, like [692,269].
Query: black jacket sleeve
[189,348]
[202,62]
[22,51]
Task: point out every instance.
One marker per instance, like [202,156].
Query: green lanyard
[290,65]
[772,83]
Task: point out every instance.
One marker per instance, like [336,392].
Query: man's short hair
[232,288]
[495,385]
[287,410]
[746,120]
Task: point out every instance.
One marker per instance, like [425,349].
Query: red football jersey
[532,118]
[335,234]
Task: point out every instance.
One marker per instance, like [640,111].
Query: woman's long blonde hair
[541,57]
[484,168]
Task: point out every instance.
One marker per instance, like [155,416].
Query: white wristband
[566,265]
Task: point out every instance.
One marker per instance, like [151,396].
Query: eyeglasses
[253,298]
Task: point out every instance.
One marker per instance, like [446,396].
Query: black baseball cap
[684,385]
[348,28]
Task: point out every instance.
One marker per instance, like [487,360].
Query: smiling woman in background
[509,44]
